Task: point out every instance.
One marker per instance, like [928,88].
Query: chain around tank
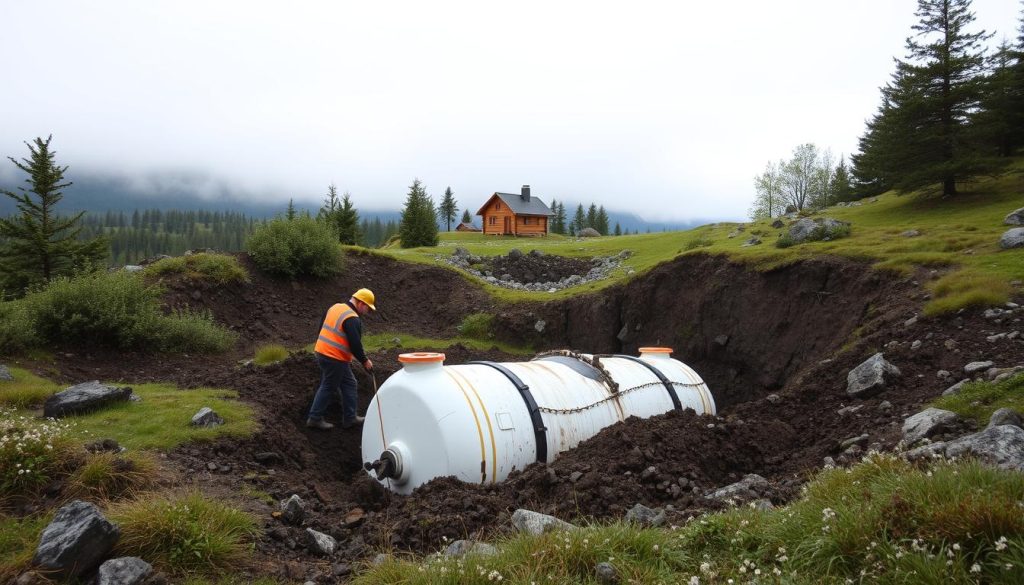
[614,396]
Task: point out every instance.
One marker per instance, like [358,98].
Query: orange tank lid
[420,357]
[655,350]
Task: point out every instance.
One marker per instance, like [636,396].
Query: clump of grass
[377,341]
[26,390]
[967,288]
[477,326]
[110,476]
[33,453]
[699,241]
[270,354]
[202,267]
[978,400]
[184,534]
[19,538]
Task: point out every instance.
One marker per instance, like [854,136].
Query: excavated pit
[774,348]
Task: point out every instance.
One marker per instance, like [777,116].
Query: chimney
[526,193]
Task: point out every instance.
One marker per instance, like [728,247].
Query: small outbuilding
[467,227]
[515,215]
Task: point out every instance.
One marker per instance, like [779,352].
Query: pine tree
[618,229]
[592,217]
[37,243]
[601,222]
[579,220]
[1000,122]
[467,218]
[448,210]
[560,218]
[840,188]
[419,220]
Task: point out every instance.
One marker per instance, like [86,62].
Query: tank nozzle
[387,467]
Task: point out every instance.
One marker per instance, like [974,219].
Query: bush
[32,453]
[477,326]
[296,247]
[16,330]
[203,267]
[183,534]
[188,331]
[269,354]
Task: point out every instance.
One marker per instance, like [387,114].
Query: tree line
[951,112]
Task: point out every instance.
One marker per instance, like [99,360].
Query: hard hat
[365,295]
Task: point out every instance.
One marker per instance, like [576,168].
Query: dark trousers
[336,381]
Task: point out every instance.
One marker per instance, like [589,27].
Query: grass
[411,343]
[26,390]
[270,354]
[109,476]
[202,267]
[161,419]
[184,534]
[882,521]
[978,400]
[959,235]
[477,326]
[19,538]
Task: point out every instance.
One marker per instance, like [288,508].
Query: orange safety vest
[333,342]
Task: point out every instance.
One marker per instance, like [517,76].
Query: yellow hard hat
[365,295]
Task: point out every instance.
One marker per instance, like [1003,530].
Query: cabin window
[497,205]
[492,220]
[526,221]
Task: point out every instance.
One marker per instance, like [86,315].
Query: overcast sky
[667,109]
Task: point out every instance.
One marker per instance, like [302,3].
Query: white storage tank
[482,420]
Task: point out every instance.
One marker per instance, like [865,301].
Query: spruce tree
[289,213]
[579,220]
[592,217]
[419,220]
[448,210]
[467,218]
[37,243]
[618,229]
[601,223]
[560,218]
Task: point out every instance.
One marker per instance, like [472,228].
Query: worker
[340,340]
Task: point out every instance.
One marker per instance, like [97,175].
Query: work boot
[319,424]
[354,422]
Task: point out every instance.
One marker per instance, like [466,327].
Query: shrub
[110,476]
[16,330]
[114,309]
[203,267]
[477,326]
[32,453]
[698,242]
[296,247]
[269,354]
[183,534]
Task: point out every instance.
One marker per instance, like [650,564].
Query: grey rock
[133,268]
[976,367]
[515,254]
[293,510]
[722,340]
[1015,217]
[804,228]
[588,233]
[955,388]
[644,516]
[949,344]
[778,223]
[870,377]
[927,423]
[1005,416]
[536,523]
[885,405]
[1001,445]
[943,375]
[268,457]
[320,543]
[206,417]
[849,409]
[773,398]
[575,476]
[461,548]
[539,325]
[910,233]
[606,574]
[83,398]
[860,440]
[910,322]
[5,374]
[762,505]
[460,252]
[741,490]
[76,540]
[752,241]
[123,571]
[1012,238]
[916,345]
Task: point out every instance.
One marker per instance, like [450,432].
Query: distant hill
[96,193]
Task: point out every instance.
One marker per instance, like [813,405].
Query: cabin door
[508,225]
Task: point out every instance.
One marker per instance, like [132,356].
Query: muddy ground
[775,349]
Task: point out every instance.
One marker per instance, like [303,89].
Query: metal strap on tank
[539,430]
[668,385]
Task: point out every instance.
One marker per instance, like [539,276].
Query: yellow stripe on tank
[490,428]
[479,431]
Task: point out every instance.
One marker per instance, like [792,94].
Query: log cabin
[515,215]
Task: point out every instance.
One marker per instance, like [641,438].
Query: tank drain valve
[387,467]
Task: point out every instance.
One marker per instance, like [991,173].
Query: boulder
[910,234]
[606,574]
[927,423]
[320,543]
[1015,217]
[535,523]
[778,223]
[76,540]
[1001,445]
[1005,416]
[83,398]
[123,571]
[515,254]
[644,516]
[753,241]
[745,489]
[870,377]
[293,510]
[804,229]
[588,233]
[955,388]
[206,417]
[977,367]
[461,548]
[1012,238]
[5,374]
